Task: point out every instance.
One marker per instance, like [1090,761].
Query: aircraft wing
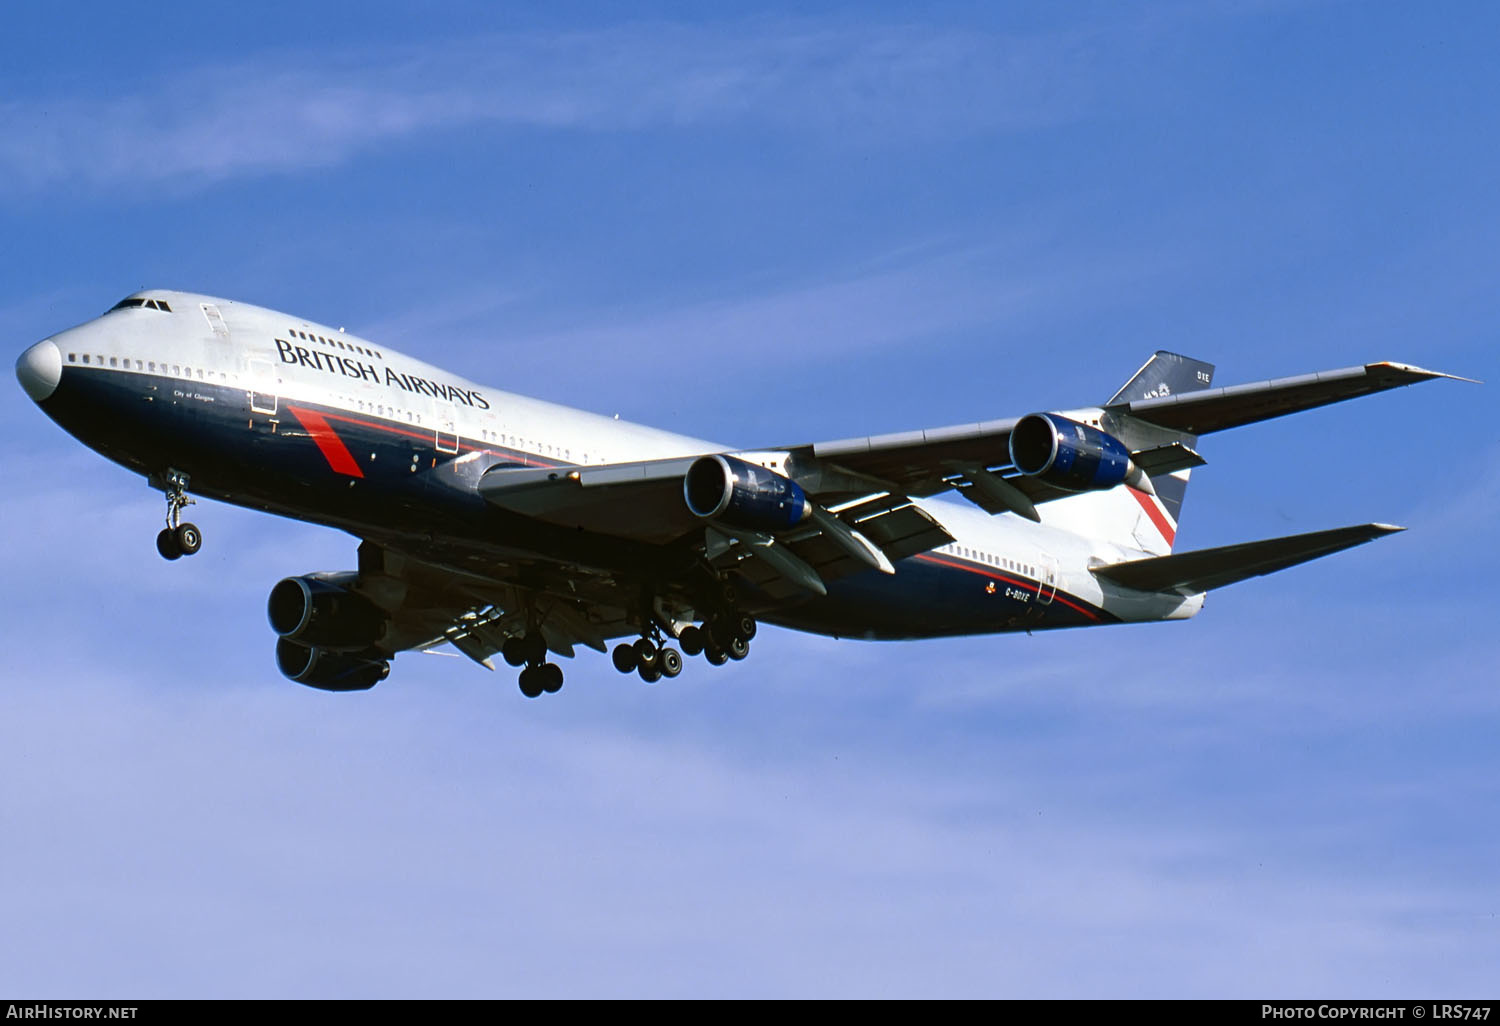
[974,459]
[1215,409]
[644,502]
[641,500]
[436,594]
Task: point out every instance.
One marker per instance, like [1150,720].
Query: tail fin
[1163,375]
[1130,517]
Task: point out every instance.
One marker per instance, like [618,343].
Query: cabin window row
[333,343]
[530,446]
[993,560]
[176,370]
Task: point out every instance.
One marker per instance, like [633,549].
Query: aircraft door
[1046,579]
[262,385]
[447,429]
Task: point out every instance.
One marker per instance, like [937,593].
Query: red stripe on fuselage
[329,444]
[1154,512]
[429,436]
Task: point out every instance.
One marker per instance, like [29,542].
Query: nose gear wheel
[178,538]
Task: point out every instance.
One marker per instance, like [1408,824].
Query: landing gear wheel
[644,651]
[179,539]
[738,649]
[744,625]
[649,673]
[166,544]
[669,662]
[531,682]
[514,651]
[189,539]
[535,647]
[721,629]
[624,658]
[691,639]
[715,655]
[551,676]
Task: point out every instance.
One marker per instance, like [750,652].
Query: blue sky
[771,225]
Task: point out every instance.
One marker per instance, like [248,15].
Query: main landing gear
[177,539]
[530,651]
[722,638]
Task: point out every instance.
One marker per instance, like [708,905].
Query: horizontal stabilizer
[1206,569]
[1214,409]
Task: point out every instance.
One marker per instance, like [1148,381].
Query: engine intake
[329,671]
[1067,454]
[743,495]
[320,611]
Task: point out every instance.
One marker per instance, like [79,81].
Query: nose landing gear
[177,539]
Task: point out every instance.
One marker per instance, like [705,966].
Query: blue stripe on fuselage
[932,595]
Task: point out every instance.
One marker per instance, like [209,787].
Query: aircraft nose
[40,369]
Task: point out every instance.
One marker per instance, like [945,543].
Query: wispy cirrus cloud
[282,112]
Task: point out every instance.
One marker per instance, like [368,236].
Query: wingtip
[1423,372]
[1386,528]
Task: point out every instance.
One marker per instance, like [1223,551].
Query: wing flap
[1207,569]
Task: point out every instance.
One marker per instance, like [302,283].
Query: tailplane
[1190,573]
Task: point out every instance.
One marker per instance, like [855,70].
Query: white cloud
[284,112]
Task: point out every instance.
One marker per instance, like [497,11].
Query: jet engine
[743,495]
[329,671]
[320,610]
[1069,455]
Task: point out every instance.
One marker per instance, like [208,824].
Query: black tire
[744,626]
[721,629]
[536,648]
[691,640]
[531,683]
[514,651]
[624,658]
[166,544]
[189,538]
[737,649]
[551,676]
[649,673]
[669,662]
[715,655]
[644,651]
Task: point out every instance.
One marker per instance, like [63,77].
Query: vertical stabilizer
[1163,375]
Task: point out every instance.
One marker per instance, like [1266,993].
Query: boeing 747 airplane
[498,524]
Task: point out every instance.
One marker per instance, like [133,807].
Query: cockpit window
[136,301]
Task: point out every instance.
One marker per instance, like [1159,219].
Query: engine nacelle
[1067,454]
[743,495]
[320,611]
[329,671]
